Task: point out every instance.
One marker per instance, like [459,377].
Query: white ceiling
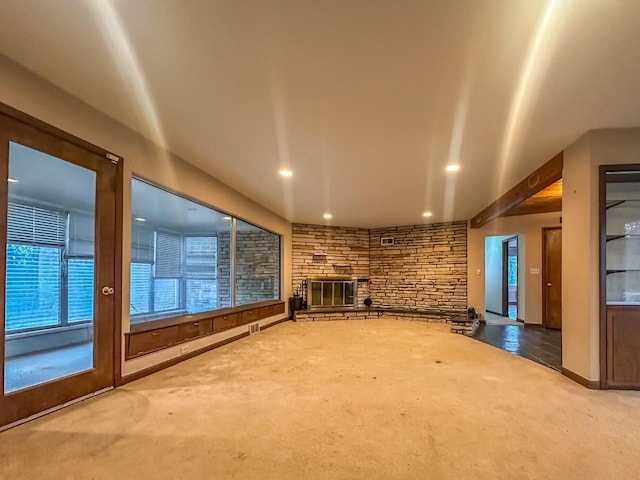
[365,100]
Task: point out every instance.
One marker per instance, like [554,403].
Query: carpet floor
[370,399]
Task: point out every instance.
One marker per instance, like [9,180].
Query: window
[257,260]
[49,265]
[181,257]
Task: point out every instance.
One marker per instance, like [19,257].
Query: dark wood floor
[535,343]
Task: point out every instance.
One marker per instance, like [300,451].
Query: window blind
[168,255]
[35,225]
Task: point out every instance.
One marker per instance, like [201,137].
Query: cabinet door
[623,346]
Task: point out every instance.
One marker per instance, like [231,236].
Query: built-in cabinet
[620,270]
[154,336]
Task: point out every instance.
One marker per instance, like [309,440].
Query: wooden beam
[544,176]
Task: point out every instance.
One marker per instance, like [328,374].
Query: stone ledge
[459,324]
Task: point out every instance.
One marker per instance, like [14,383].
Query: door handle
[549,284]
[107,291]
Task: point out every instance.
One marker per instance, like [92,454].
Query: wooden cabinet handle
[155,334]
[196,324]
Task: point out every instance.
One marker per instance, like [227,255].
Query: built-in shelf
[609,272]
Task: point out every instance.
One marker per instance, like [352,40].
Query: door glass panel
[623,238]
[50,284]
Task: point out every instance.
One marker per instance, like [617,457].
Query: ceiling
[366,101]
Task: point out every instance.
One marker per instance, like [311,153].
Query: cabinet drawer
[225,321]
[266,311]
[278,309]
[145,342]
[250,315]
[187,331]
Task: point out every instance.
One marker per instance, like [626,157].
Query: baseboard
[592,384]
[520,320]
[495,313]
[174,361]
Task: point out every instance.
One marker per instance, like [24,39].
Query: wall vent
[254,328]
[386,241]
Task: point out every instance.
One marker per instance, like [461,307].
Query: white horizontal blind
[141,244]
[34,225]
[168,255]
[32,287]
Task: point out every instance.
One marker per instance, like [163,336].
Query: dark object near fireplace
[295,303]
[471,313]
[367,302]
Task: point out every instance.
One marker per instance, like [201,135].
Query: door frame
[505,276]
[544,274]
[47,129]
[602,213]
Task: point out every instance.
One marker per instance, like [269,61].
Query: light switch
[478,272]
[534,271]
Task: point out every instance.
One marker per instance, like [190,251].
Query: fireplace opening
[331,293]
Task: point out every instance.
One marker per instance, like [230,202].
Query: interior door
[510,278]
[552,277]
[57,202]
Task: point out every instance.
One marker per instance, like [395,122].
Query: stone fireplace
[331,293]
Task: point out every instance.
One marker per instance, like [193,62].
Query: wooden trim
[277,322]
[602,229]
[54,131]
[592,384]
[174,361]
[177,320]
[602,215]
[118,286]
[544,274]
[540,179]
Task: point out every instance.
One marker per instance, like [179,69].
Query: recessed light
[285,172]
[12,180]
[453,167]
[226,218]
[327,216]
[140,219]
[427,214]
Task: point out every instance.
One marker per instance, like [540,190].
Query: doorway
[552,277]
[58,275]
[510,278]
[502,280]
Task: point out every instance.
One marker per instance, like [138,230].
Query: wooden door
[552,277]
[57,279]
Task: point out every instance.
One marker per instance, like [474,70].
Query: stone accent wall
[224,270]
[256,267]
[320,251]
[426,268]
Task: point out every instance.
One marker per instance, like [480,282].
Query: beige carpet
[388,399]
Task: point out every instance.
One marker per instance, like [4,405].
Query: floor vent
[254,328]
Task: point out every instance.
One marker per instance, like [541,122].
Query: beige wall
[33,95]
[581,244]
[529,229]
